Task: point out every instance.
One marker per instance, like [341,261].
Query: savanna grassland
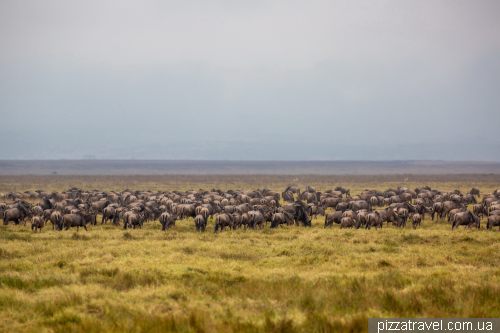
[286,279]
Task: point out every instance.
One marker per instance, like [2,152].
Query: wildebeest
[343,190]
[373,220]
[77,220]
[37,223]
[281,218]
[108,213]
[493,221]
[134,219]
[474,191]
[167,221]
[16,215]
[336,217]
[416,219]
[201,223]
[464,218]
[348,222]
[223,220]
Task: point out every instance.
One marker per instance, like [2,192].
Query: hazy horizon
[258,80]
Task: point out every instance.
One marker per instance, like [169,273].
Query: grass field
[284,280]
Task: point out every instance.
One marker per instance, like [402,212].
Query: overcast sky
[288,80]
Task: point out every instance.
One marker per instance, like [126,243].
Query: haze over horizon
[254,80]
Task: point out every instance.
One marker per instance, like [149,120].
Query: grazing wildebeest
[315,210]
[37,223]
[281,218]
[348,222]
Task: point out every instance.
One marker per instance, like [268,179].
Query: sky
[250,80]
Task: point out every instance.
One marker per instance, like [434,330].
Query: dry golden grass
[288,279]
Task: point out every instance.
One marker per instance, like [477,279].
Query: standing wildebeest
[108,213]
[282,218]
[223,220]
[133,219]
[463,218]
[343,190]
[416,219]
[332,202]
[16,215]
[474,191]
[201,223]
[479,210]
[37,223]
[493,221]
[77,220]
[373,220]
[448,206]
[315,210]
[360,204]
[310,189]
[348,222]
[287,195]
[333,217]
[37,211]
[168,221]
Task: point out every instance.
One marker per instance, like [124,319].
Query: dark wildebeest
[333,217]
[37,223]
[281,218]
[493,221]
[348,222]
[360,204]
[463,218]
[332,202]
[315,210]
[224,220]
[108,213]
[287,195]
[16,215]
[343,190]
[310,189]
[134,219]
[167,221]
[37,211]
[201,223]
[77,220]
[474,191]
[448,206]
[437,208]
[373,220]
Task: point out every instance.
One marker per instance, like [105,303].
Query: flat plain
[277,280]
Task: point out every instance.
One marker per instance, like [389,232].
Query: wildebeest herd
[250,208]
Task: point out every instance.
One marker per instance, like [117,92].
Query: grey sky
[250,80]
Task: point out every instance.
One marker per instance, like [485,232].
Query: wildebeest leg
[85,227]
[77,228]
